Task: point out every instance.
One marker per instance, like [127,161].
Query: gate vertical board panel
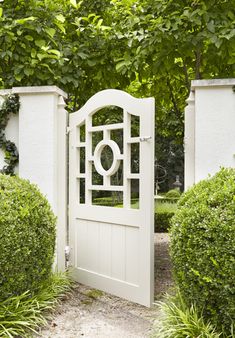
[112,248]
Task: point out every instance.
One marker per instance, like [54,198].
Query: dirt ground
[90,313]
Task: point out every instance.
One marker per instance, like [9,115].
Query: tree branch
[187,81]
[172,96]
[198,60]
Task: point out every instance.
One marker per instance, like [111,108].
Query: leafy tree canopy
[172,42]
[146,47]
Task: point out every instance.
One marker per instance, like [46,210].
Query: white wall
[210,128]
[39,131]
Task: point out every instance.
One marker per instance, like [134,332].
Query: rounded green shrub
[203,247]
[27,237]
[174,193]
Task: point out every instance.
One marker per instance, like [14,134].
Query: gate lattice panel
[112,248]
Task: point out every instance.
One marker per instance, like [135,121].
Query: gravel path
[90,313]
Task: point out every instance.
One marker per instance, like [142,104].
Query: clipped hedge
[163,215]
[110,202]
[162,221]
[27,237]
[203,247]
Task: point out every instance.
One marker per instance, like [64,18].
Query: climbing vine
[11,104]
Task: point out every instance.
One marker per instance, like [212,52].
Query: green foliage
[66,43]
[23,314]
[146,47]
[165,45]
[203,247]
[171,43]
[9,106]
[30,51]
[163,214]
[174,193]
[27,237]
[177,320]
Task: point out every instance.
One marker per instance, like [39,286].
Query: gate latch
[67,254]
[145,138]
[68,130]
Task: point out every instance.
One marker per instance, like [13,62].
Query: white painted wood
[118,254]
[133,140]
[112,248]
[105,247]
[105,187]
[107,127]
[130,217]
[62,183]
[132,255]
[127,162]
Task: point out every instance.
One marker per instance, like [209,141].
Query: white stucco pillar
[189,142]
[43,151]
[210,134]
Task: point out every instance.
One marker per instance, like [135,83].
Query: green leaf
[99,23]
[40,43]
[54,51]
[28,71]
[22,21]
[18,77]
[82,55]
[33,53]
[211,26]
[122,64]
[50,31]
[45,48]
[74,3]
[29,37]
[41,56]
[60,26]
[1,12]
[60,18]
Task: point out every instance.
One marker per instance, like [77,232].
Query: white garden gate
[112,248]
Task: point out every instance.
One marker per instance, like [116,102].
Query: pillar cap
[213,83]
[34,90]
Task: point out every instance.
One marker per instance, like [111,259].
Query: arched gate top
[112,97]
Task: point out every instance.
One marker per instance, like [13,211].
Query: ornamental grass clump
[27,237]
[22,315]
[177,320]
[203,248]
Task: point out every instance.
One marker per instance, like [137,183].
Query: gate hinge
[68,130]
[145,138]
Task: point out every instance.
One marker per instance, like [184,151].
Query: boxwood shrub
[173,193]
[27,237]
[203,247]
